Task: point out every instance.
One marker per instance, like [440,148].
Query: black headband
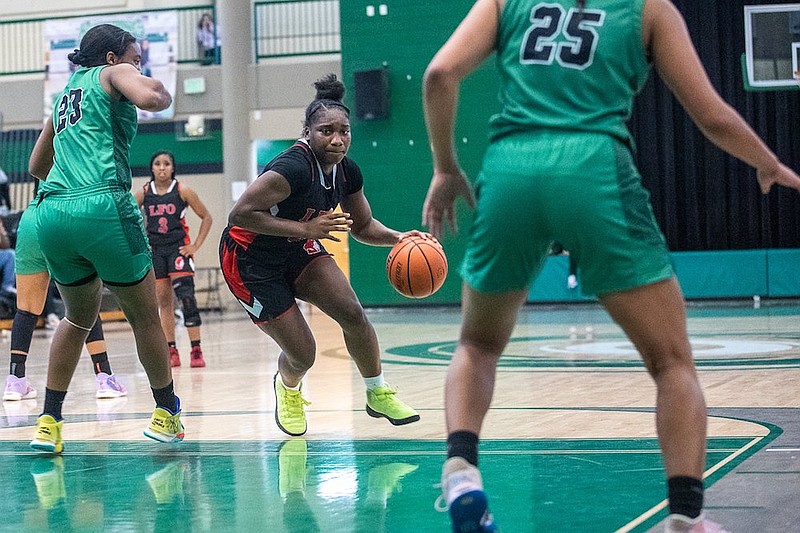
[324,102]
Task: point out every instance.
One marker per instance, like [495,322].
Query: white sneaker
[458,477]
[51,321]
[676,523]
[462,491]
[109,387]
[18,389]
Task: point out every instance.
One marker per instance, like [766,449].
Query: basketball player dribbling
[271,254]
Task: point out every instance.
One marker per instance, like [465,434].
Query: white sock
[287,387]
[374,382]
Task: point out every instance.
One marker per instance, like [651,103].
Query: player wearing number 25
[89,226]
[560,158]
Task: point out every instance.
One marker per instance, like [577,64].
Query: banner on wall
[157,33]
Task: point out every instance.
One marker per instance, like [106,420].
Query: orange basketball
[416,267]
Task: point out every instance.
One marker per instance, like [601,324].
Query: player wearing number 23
[89,226]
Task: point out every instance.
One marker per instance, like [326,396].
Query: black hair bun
[329,88]
[75,57]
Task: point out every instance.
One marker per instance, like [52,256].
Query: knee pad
[183,286]
[22,331]
[184,290]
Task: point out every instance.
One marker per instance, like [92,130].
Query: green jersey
[563,69]
[93,136]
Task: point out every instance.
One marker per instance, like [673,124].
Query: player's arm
[678,64]
[41,159]
[200,209]
[138,195]
[145,93]
[252,212]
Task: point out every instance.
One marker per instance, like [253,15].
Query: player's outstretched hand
[439,206]
[781,175]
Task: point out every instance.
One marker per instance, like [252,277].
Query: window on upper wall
[772,46]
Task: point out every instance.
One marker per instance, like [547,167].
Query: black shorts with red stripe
[168,261]
[263,280]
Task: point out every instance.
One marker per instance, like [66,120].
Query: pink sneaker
[197,360]
[174,357]
[18,389]
[676,523]
[109,387]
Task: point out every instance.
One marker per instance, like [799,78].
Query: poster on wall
[157,33]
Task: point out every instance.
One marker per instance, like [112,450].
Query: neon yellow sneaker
[382,402]
[48,435]
[48,476]
[165,426]
[292,457]
[290,413]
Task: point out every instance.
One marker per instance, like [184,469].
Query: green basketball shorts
[98,234]
[580,189]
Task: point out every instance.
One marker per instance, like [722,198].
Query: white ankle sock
[374,382]
[287,387]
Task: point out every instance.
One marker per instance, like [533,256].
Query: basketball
[416,267]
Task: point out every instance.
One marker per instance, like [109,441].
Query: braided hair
[98,42]
[330,92]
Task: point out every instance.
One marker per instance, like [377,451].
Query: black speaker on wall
[372,94]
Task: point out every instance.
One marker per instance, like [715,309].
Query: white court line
[649,514]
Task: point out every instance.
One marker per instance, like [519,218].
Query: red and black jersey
[312,193]
[165,215]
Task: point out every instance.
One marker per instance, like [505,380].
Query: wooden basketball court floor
[569,444]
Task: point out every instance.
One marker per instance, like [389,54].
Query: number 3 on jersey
[69,108]
[568,37]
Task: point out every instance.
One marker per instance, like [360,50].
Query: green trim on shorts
[655,261]
[29,259]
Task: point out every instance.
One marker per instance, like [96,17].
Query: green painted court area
[337,486]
